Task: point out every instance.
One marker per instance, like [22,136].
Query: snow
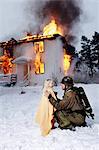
[18,130]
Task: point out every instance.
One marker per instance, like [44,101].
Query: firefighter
[70,111]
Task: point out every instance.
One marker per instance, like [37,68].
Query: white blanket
[45,111]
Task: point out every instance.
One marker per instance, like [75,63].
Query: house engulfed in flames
[38,57]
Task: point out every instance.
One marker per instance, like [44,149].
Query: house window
[39,65]
[39,46]
[39,68]
[42,68]
[6,65]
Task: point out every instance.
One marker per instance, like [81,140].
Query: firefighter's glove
[89,112]
[92,116]
[55,93]
[49,96]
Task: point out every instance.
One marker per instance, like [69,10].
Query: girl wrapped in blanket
[44,115]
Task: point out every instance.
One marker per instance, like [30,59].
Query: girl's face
[51,84]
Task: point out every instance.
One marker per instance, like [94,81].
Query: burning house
[35,58]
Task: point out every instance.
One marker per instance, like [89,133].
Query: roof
[27,39]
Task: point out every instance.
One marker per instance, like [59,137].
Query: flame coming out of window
[39,65]
[67,62]
[52,28]
[6,63]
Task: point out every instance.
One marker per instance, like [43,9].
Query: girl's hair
[46,83]
[48,80]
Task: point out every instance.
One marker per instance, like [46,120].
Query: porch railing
[26,81]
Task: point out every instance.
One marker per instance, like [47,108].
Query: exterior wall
[53,59]
[24,49]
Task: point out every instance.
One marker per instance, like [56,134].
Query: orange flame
[52,28]
[67,61]
[39,66]
[6,64]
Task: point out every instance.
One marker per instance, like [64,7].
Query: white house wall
[24,49]
[53,59]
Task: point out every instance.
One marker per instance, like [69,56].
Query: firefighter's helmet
[67,80]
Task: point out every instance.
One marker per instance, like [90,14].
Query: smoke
[65,12]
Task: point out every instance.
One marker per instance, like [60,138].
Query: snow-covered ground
[18,130]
